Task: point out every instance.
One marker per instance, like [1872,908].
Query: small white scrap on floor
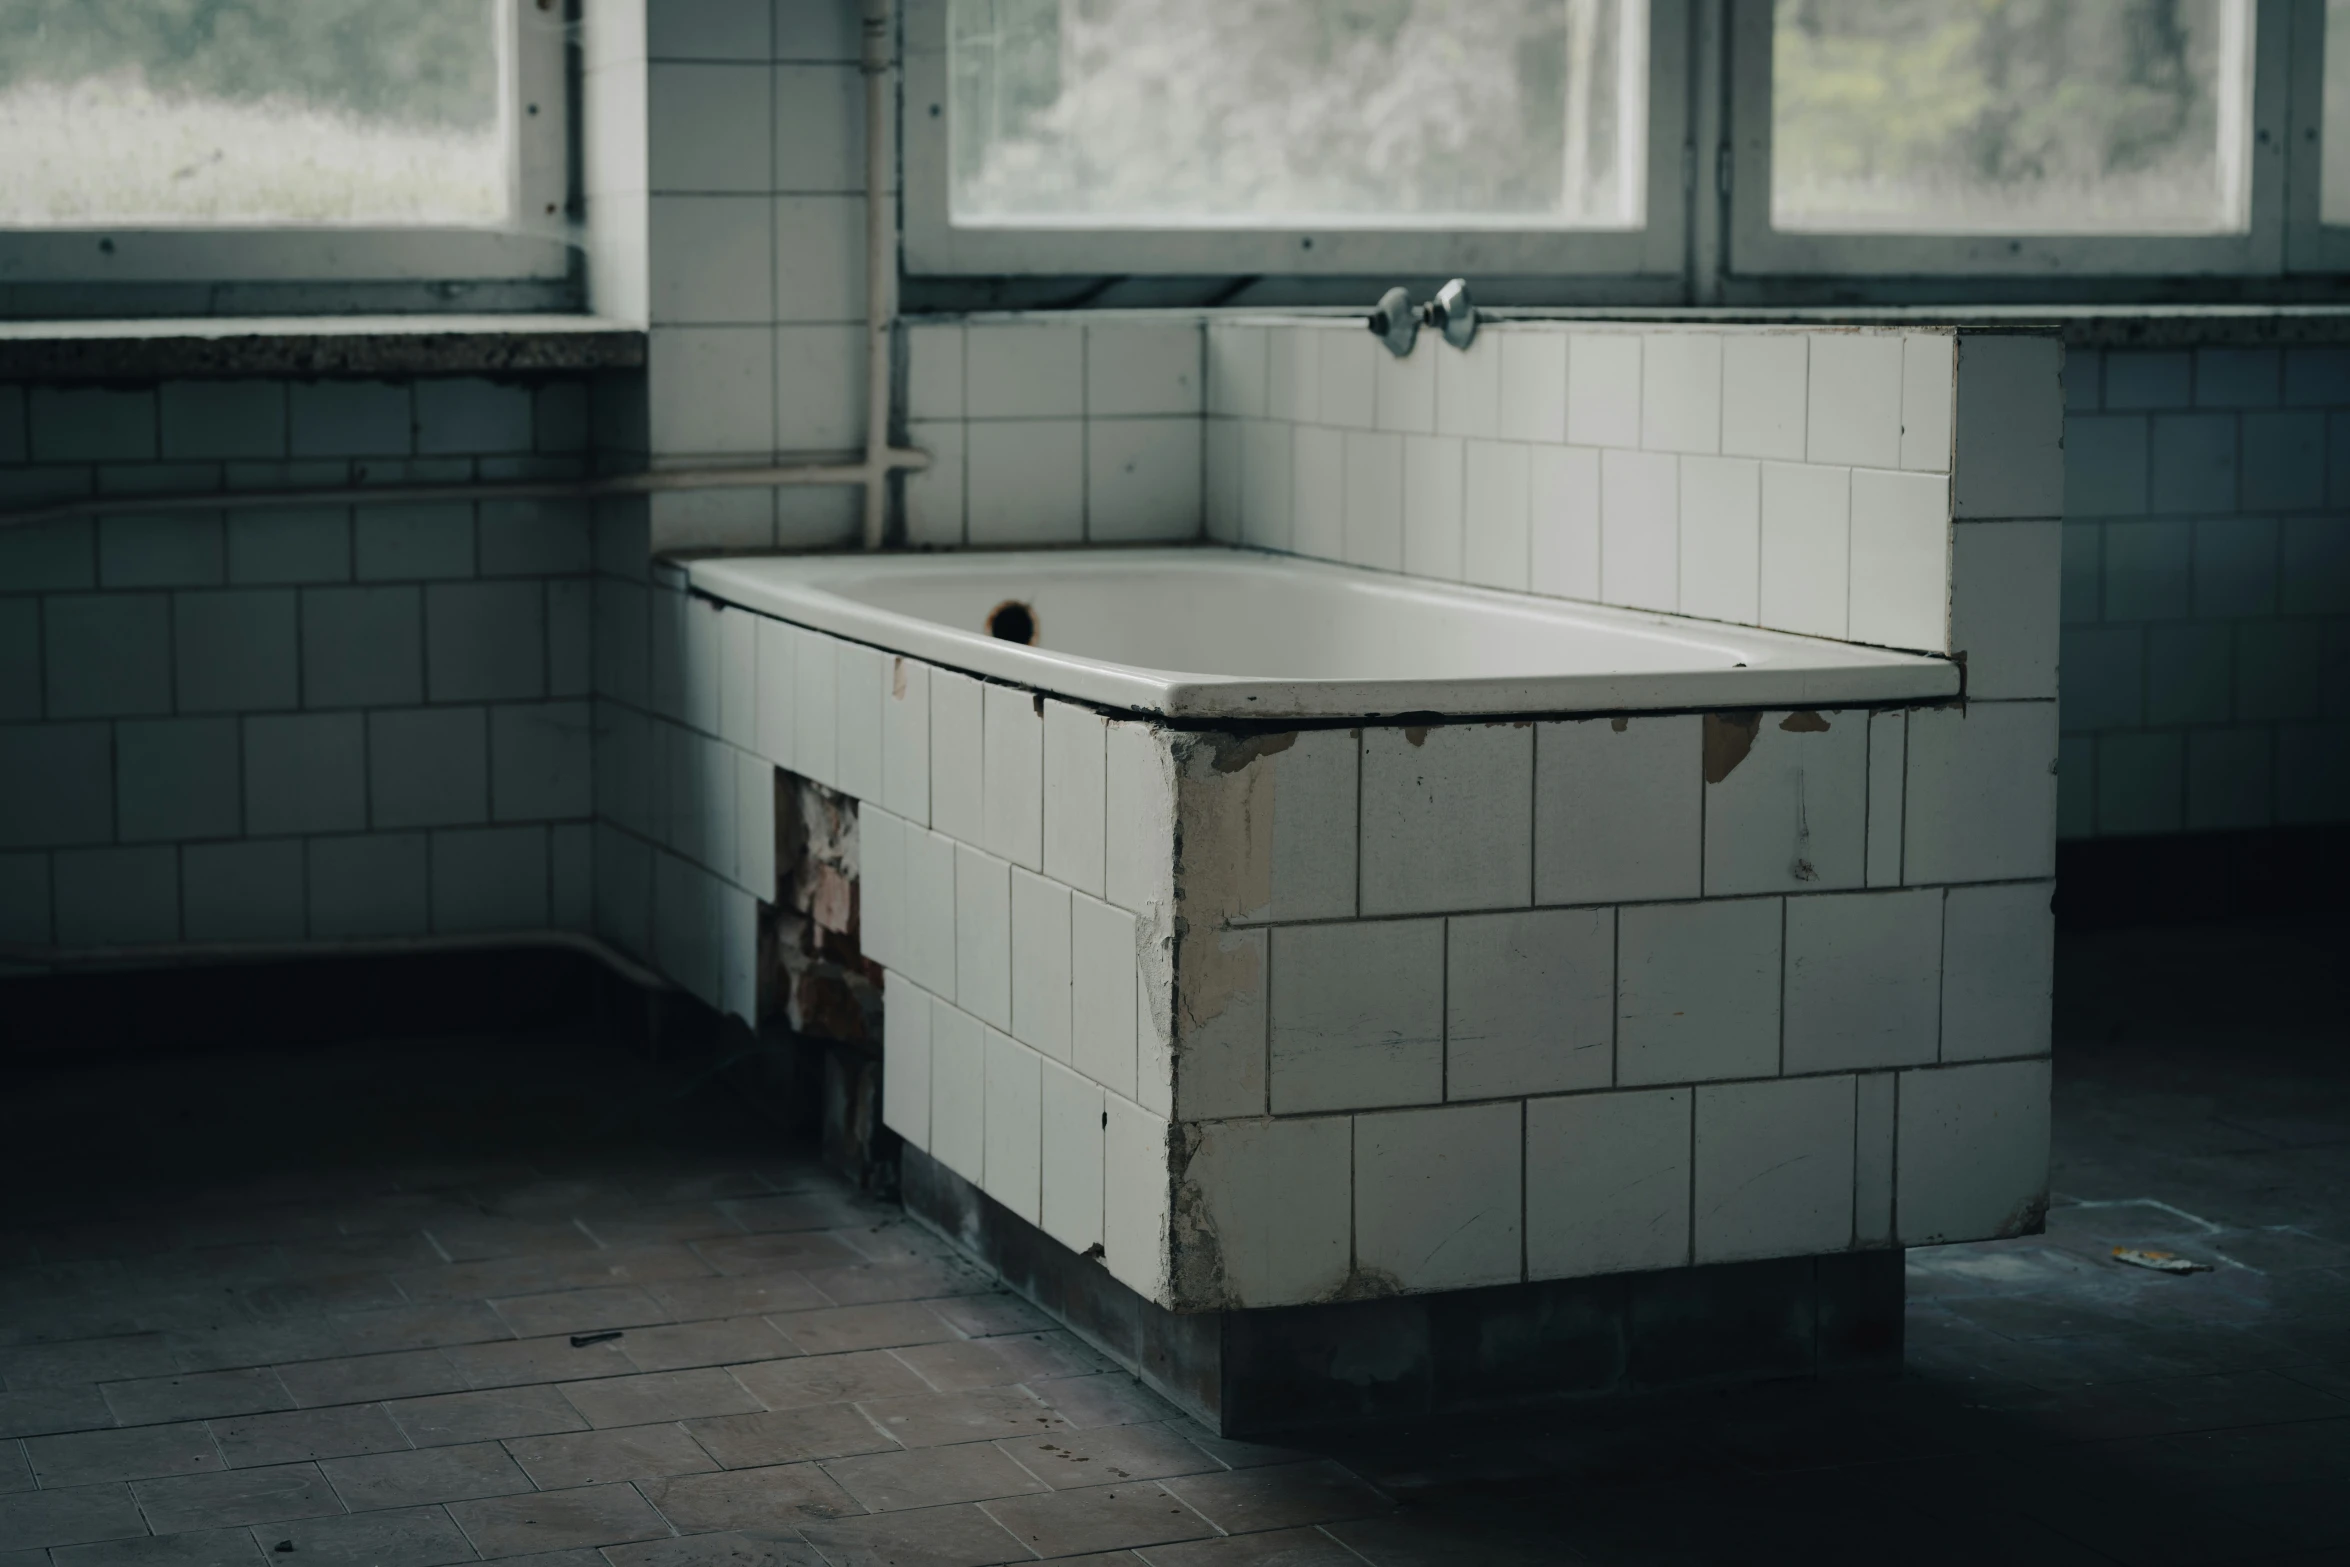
[2159,1261]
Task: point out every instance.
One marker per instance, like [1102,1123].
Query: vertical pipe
[881,259]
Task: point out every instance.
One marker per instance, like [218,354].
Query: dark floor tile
[660,1395]
[139,1453]
[2178,1404]
[481,1237]
[249,1441]
[428,1326]
[659,1186]
[642,1224]
[868,1282]
[558,1520]
[196,1548]
[580,1311]
[1279,1497]
[32,1519]
[929,1419]
[1067,1460]
[197,1395]
[412,1537]
[410,1373]
[235,1496]
[937,1537]
[1098,1518]
[45,1409]
[998,1362]
[316,1296]
[777,1498]
[835,1330]
[752,1254]
[1311,1548]
[559,1463]
[517,1362]
[829,1379]
[1111,1398]
[733,1548]
[434,1474]
[720,1342]
[969,1472]
[578,1556]
[787,1436]
[454,1281]
[984,1316]
[16,1473]
[487,1416]
[86,1360]
[761,1294]
[248,1345]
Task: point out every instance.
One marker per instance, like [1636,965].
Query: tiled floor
[400,1306]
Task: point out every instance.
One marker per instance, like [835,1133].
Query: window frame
[141,258]
[933,246]
[1756,249]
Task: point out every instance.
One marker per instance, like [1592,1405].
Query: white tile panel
[1276,1196]
[1357,1017]
[1012,774]
[1530,1003]
[1533,385]
[1102,1009]
[1806,548]
[1603,389]
[905,738]
[1075,794]
[1071,1165]
[1639,530]
[1864,973]
[1998,971]
[1973,1152]
[926,939]
[1563,521]
[1447,818]
[1435,490]
[1618,809]
[1763,394]
[1697,991]
[1681,392]
[957,790]
[1853,411]
[1495,515]
[1607,1183]
[983,936]
[958,1091]
[1040,964]
[1721,539]
[1437,1199]
[1773,1169]
[1786,801]
[1014,1131]
[905,1060]
[1900,560]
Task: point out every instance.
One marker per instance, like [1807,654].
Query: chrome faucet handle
[1394,322]
[1453,313]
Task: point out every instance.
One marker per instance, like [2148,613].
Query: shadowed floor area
[411,1304]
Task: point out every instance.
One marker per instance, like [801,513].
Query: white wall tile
[1786,802]
[881,887]
[1025,370]
[905,1059]
[24,898]
[905,738]
[1236,370]
[107,655]
[1071,1166]
[1142,367]
[490,878]
[1928,385]
[1265,485]
[428,767]
[1102,1037]
[304,774]
[1347,379]
[1864,976]
[1806,548]
[1437,1200]
[1357,1015]
[1530,1003]
[2010,459]
[775,723]
[1014,1130]
[711,259]
[1374,500]
[1317,506]
[1494,551]
[857,720]
[738,935]
[365,646]
[754,835]
[934,369]
[1405,390]
[957,789]
[1774,1169]
[542,762]
[1270,828]
[816,708]
[1434,488]
[1973,1152]
[1618,809]
[249,891]
[1763,394]
[370,886]
[926,938]
[1721,539]
[1981,793]
[1025,480]
[934,495]
[1563,521]
[1219,1067]
[1697,991]
[1012,773]
[1900,560]
[1294,374]
[1888,734]
[1447,818]
[1603,389]
[1998,971]
[1681,392]
[1607,1183]
[983,936]
[958,1091]
[1872,1159]
[1468,388]
[116,897]
[1639,530]
[1139,807]
[1075,795]
[820,388]
[1533,385]
[1142,479]
[2006,582]
[688,941]
[698,116]
[1223,481]
[1853,411]
[1277,1198]
[738,678]
[1040,964]
[1134,1197]
[711,389]
[174,778]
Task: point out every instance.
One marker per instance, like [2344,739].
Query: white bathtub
[1221,633]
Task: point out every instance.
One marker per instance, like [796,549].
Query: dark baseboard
[2187,878]
[1295,1368]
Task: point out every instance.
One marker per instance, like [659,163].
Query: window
[1338,137]
[275,140]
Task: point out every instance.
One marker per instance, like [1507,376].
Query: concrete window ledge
[315,346]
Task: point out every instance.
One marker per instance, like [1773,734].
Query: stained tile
[749,1498]
[755,1254]
[1278,1497]
[412,1537]
[734,1548]
[556,1463]
[249,1441]
[712,1343]
[33,1519]
[487,1416]
[692,1300]
[580,1311]
[936,1537]
[1067,1460]
[882,1326]
[666,1395]
[91,1457]
[536,1360]
[403,1374]
[785,1436]
[197,1396]
[434,1474]
[427,1326]
[932,1419]
[1306,1548]
[999,1362]
[1098,1518]
[235,1496]
[557,1520]
[196,1548]
[829,1379]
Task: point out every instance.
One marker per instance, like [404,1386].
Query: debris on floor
[2159,1261]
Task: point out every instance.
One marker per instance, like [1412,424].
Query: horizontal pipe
[652,483]
[171,954]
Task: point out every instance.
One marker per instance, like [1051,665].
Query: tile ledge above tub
[313,347]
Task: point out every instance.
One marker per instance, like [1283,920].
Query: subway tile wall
[284,724]
[2206,589]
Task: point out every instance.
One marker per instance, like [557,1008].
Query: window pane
[205,112]
[1337,113]
[2334,153]
[2011,116]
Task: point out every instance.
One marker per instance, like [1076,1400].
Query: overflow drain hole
[1013,621]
